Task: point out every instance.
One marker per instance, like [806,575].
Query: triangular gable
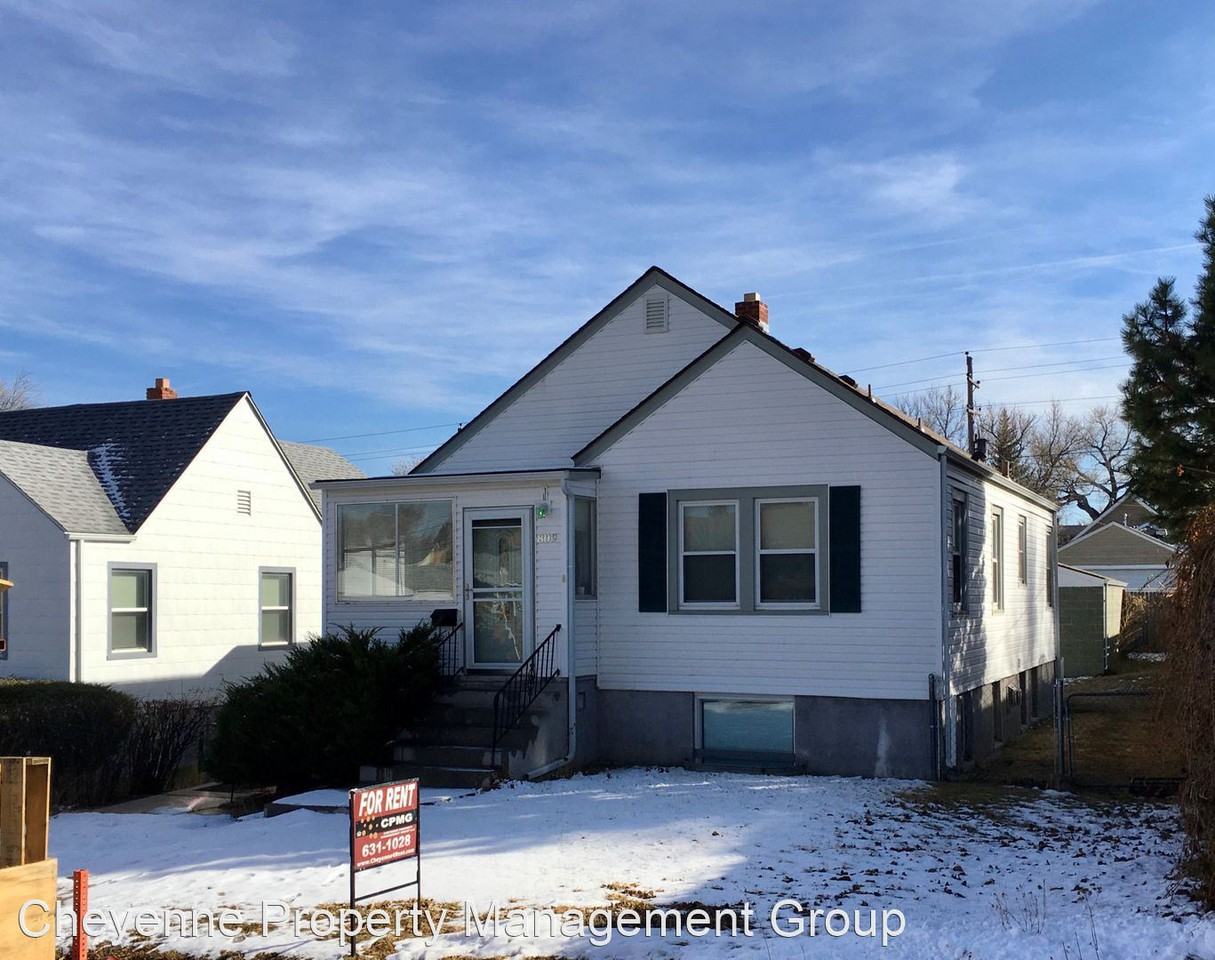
[1114,532]
[1111,510]
[654,276]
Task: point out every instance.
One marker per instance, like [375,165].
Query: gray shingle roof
[63,484]
[135,450]
[319,463]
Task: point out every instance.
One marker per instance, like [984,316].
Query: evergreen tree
[1169,396]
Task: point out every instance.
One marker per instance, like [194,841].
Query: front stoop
[451,747]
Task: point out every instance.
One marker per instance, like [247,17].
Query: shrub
[329,706]
[1191,680]
[82,727]
[163,733]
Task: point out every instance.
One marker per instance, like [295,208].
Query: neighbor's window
[131,610]
[786,568]
[277,596]
[3,614]
[746,729]
[960,532]
[1022,549]
[584,547]
[708,554]
[997,558]
[395,550]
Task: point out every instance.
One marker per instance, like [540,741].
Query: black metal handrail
[450,644]
[522,688]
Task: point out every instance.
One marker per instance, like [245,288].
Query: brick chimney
[752,309]
[161,390]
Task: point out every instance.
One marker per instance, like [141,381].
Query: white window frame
[1023,549]
[997,558]
[262,642]
[760,604]
[683,604]
[397,596]
[150,609]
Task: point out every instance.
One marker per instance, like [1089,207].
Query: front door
[498,586]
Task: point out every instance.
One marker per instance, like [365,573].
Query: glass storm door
[498,586]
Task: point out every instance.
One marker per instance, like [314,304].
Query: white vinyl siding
[39,607]
[984,647]
[207,558]
[750,421]
[609,374]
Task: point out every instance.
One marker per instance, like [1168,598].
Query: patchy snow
[964,866]
[1148,656]
[106,460]
[340,799]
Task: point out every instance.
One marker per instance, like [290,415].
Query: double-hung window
[786,568]
[276,591]
[959,534]
[400,549]
[132,610]
[997,558]
[1022,550]
[708,554]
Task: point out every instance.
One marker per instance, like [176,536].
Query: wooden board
[19,885]
[25,809]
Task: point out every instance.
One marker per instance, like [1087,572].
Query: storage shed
[1090,617]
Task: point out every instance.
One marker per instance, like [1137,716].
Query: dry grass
[1116,739]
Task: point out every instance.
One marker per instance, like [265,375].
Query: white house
[161,546]
[750,560]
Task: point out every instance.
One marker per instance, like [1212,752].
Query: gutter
[571,668]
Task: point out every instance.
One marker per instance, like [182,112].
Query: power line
[1027,366]
[1019,346]
[382,433]
[1028,403]
[391,451]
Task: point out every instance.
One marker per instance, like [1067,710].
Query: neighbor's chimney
[162,390]
[752,309]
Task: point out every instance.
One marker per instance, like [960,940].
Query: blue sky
[376,216]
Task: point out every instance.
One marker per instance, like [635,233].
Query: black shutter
[652,552]
[845,550]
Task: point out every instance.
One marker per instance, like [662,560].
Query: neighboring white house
[751,559]
[1125,542]
[161,546]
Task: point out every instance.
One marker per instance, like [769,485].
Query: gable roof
[61,483]
[654,276]
[135,450]
[1070,576]
[1093,530]
[1115,504]
[802,362]
[312,463]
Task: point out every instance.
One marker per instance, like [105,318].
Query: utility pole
[971,385]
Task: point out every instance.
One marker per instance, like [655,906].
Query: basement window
[734,729]
[657,315]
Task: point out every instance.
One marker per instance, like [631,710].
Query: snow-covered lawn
[966,869]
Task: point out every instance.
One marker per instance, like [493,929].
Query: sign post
[384,828]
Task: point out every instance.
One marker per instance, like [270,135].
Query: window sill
[130,654]
[417,598]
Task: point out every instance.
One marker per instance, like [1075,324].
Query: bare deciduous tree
[1106,447]
[943,409]
[18,394]
[402,467]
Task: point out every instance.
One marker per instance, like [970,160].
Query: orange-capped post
[80,901]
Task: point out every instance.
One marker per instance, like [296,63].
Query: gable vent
[244,502]
[656,316]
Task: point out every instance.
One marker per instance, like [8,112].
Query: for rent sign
[384,824]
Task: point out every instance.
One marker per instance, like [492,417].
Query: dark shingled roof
[136,449]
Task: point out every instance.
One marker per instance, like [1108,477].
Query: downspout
[941,739]
[571,669]
[75,673]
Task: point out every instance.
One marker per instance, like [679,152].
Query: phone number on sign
[382,849]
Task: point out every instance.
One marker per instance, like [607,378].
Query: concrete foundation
[997,713]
